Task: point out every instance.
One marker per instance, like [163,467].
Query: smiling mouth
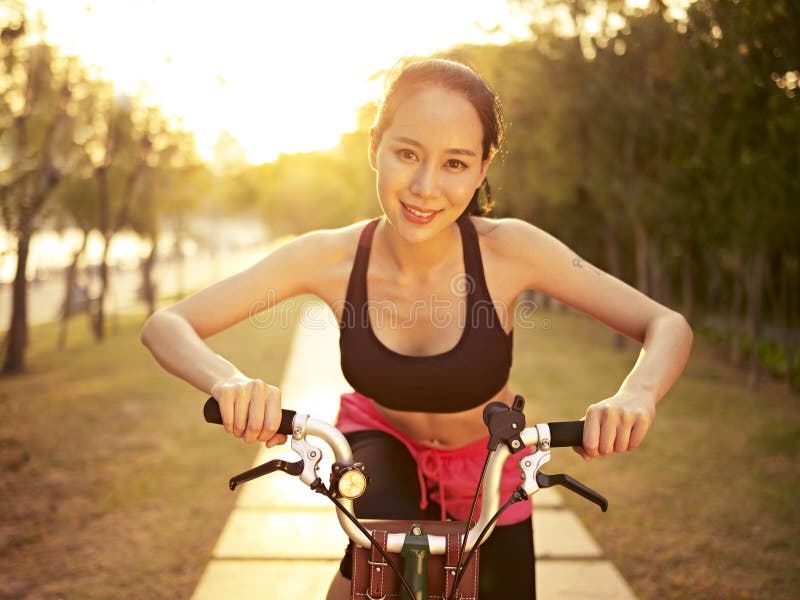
[422,214]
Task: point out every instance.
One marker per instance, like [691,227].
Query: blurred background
[150,147]
[660,139]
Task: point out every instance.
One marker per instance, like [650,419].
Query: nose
[425,182]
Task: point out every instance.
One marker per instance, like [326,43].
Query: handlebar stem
[304,425]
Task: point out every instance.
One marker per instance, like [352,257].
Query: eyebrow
[413,142]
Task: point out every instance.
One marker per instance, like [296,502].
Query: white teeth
[422,215]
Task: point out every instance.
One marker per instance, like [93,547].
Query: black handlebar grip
[566,433]
[212,415]
[492,408]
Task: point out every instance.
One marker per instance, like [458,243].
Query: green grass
[124,490]
[706,507]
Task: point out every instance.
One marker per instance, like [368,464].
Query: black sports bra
[464,377]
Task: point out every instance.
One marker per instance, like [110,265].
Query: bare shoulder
[323,261]
[526,254]
[536,260]
[509,237]
[316,262]
[323,247]
[319,262]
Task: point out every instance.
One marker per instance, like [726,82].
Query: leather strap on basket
[372,580]
[377,567]
[451,557]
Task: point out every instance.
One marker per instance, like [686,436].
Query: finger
[591,432]
[241,409]
[608,430]
[272,405]
[276,440]
[257,408]
[582,453]
[225,396]
[640,429]
[272,416]
[624,433]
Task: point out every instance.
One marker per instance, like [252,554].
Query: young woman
[450,278]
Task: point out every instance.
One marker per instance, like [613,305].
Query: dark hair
[458,77]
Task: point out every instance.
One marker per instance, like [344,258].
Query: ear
[373,149]
[484,169]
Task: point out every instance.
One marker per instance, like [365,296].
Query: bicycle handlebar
[562,433]
[544,436]
[566,433]
[212,414]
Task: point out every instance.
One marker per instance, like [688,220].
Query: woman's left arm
[618,423]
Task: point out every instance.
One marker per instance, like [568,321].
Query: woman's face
[428,162]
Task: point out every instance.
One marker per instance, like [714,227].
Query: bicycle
[508,435]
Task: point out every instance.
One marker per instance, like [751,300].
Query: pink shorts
[448,477]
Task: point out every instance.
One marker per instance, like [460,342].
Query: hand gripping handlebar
[512,433]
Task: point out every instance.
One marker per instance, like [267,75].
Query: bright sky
[280,76]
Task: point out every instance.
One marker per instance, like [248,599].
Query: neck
[411,257]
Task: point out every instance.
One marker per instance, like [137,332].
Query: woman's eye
[455,164]
[407,154]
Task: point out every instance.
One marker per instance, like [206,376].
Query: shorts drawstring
[429,466]
[446,475]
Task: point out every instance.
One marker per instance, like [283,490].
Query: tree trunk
[714,284]
[34,197]
[754,289]
[789,275]
[99,320]
[687,287]
[655,266]
[780,291]
[70,282]
[148,287]
[614,262]
[641,244]
[104,224]
[632,206]
[733,322]
[17,340]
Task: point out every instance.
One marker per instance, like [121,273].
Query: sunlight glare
[280,77]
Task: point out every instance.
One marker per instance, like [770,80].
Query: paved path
[283,541]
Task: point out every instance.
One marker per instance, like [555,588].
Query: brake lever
[292,468]
[534,480]
[573,485]
[310,458]
[306,468]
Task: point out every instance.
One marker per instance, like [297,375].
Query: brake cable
[320,488]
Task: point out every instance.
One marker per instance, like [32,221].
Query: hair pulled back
[457,77]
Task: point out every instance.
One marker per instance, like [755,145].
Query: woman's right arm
[250,408]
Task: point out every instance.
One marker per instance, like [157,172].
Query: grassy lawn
[111,483]
[706,507]
[124,489]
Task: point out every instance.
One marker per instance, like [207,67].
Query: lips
[416,214]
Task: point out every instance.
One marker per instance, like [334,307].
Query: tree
[171,188]
[76,207]
[36,102]
[750,55]
[121,151]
